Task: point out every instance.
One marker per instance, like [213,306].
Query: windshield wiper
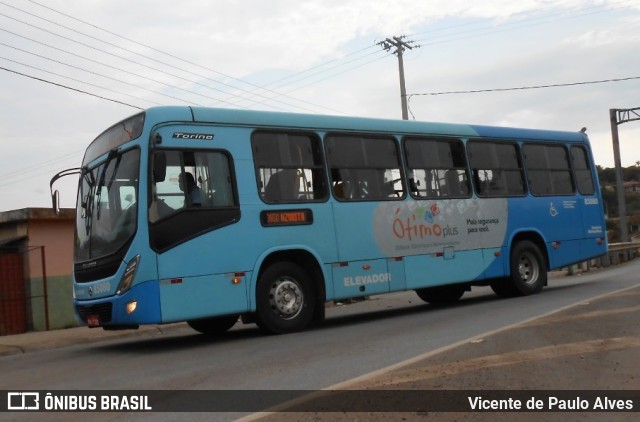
[103,173]
[87,201]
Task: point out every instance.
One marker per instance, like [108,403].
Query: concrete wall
[56,236]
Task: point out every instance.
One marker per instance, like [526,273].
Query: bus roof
[269,119]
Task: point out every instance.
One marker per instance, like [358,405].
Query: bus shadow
[176,342]
[192,340]
[417,307]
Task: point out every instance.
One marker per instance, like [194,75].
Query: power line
[252,93]
[140,44]
[509,26]
[249,95]
[94,85]
[105,76]
[522,88]
[246,94]
[336,74]
[36,170]
[69,88]
[296,77]
[108,53]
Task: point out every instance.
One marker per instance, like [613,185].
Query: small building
[632,187]
[36,263]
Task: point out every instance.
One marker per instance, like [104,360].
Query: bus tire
[528,268]
[441,295]
[503,287]
[284,298]
[213,326]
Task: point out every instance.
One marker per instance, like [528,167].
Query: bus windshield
[107,205]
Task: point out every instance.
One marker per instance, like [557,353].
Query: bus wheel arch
[289,292]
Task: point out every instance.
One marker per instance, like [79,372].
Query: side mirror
[55,195]
[55,202]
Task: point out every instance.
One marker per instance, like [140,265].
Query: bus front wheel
[284,298]
[441,295]
[213,326]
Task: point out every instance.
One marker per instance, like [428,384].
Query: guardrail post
[605,261]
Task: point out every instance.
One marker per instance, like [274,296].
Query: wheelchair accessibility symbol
[552,210]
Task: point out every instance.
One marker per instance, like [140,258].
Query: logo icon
[23,401]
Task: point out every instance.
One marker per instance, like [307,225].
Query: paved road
[356,339]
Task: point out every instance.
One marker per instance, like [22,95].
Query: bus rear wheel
[284,298]
[441,295]
[213,326]
[528,272]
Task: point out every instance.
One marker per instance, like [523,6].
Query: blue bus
[214,215]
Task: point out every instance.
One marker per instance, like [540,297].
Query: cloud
[464,46]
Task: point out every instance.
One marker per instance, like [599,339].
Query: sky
[70,69]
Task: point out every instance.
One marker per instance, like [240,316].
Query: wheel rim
[286,298]
[528,268]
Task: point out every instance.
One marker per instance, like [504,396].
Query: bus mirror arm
[55,195]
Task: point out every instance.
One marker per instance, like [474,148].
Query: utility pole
[399,44]
[619,117]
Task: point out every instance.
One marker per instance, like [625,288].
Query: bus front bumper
[138,306]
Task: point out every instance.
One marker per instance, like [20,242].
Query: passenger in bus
[195,193]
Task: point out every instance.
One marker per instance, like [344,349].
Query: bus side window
[438,166]
[192,179]
[365,168]
[289,167]
[548,169]
[497,168]
[583,174]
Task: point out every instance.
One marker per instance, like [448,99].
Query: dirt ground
[592,350]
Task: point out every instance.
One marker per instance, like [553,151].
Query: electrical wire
[204,77]
[522,88]
[105,76]
[68,87]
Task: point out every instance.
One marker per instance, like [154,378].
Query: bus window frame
[588,169]
[447,139]
[319,169]
[570,169]
[401,167]
[475,182]
[232,214]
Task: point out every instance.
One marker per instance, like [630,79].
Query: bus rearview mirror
[55,202]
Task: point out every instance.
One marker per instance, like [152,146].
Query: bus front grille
[102,311]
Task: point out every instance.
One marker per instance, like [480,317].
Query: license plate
[93,321]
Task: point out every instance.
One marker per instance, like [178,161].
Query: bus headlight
[129,274]
[131,307]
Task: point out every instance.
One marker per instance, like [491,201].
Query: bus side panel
[360,278]
[353,223]
[594,226]
[446,268]
[496,261]
[199,297]
[563,253]
[556,219]
[442,241]
[397,272]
